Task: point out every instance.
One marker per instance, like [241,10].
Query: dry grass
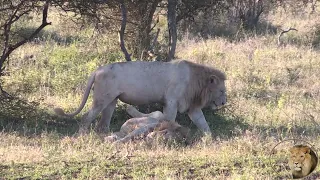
[273,92]
[51,156]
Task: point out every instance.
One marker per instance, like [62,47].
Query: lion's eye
[301,156]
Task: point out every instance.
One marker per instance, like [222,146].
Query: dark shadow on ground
[221,126]
[28,119]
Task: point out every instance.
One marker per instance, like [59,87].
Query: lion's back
[145,82]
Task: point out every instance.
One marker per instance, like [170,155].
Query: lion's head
[170,130]
[217,92]
[300,161]
[207,87]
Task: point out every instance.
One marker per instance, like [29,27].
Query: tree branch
[283,32]
[122,29]
[151,52]
[7,28]
[4,93]
[154,25]
[8,49]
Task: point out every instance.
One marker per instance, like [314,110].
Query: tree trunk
[122,29]
[144,17]
[172,27]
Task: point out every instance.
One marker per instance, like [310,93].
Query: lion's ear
[213,79]
[306,149]
[291,150]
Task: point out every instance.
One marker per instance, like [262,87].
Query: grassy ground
[273,95]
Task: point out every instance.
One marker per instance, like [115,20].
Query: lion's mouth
[297,168]
[214,106]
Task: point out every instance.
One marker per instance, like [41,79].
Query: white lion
[180,85]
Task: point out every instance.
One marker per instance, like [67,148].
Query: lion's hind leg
[104,123]
[100,102]
[88,118]
[137,132]
[132,111]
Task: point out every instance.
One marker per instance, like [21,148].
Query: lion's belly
[139,98]
[141,89]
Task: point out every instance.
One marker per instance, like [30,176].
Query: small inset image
[302,161]
[293,158]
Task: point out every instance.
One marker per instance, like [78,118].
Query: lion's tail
[60,111]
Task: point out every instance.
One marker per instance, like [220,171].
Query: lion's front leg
[173,94]
[170,111]
[197,117]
